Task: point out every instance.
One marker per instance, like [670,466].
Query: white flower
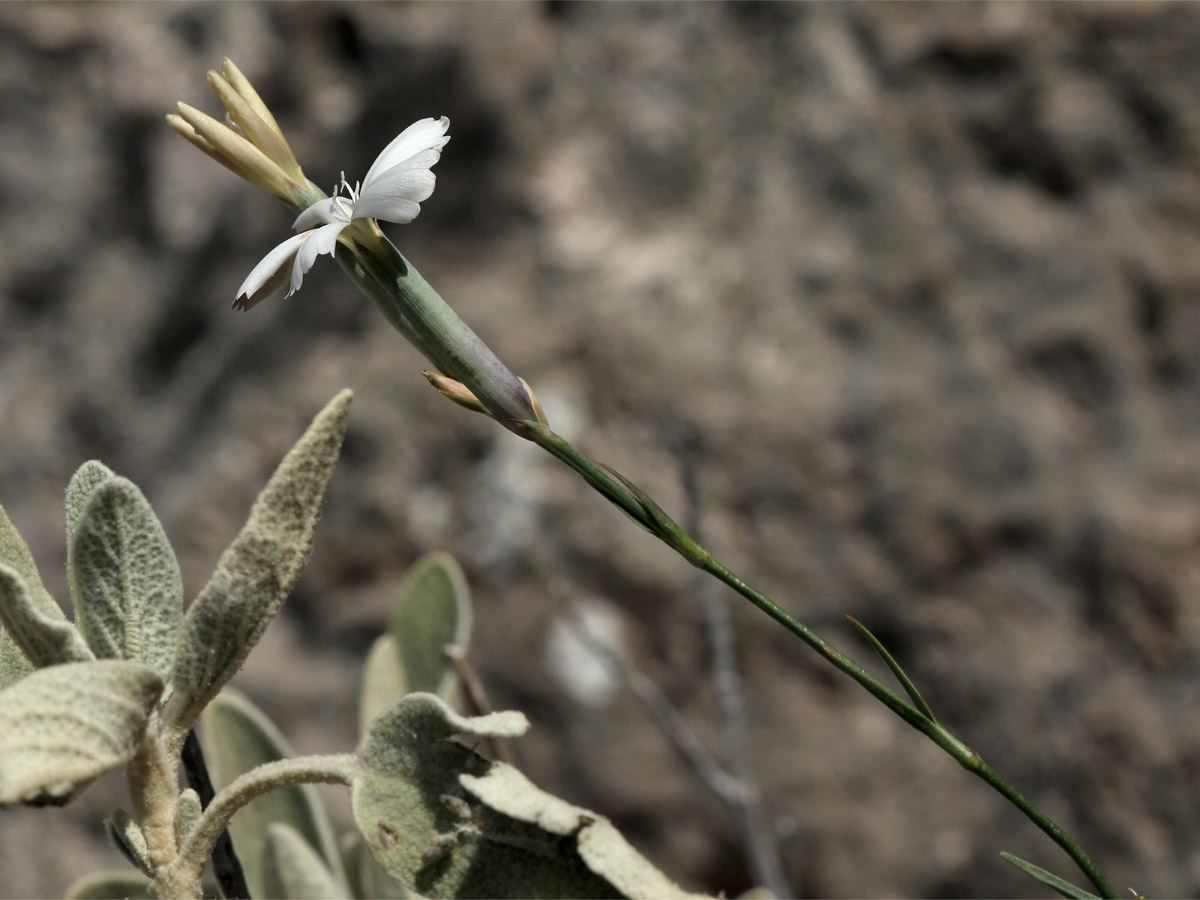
[397,182]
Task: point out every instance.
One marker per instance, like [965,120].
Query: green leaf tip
[14,661]
[901,676]
[44,637]
[1060,886]
[237,737]
[86,478]
[259,569]
[434,610]
[124,578]
[293,870]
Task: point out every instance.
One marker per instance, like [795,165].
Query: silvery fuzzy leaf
[257,571]
[14,664]
[44,639]
[110,886]
[62,726]
[237,736]
[85,479]
[434,610]
[425,831]
[128,838]
[366,878]
[294,870]
[124,577]
[597,842]
[382,680]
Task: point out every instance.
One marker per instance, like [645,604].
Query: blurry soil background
[917,287]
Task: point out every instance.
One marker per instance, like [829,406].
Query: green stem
[966,757]
[645,512]
[416,310]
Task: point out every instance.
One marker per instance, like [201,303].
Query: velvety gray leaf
[128,838]
[110,886]
[15,553]
[434,837]
[44,639]
[187,813]
[62,726]
[237,737]
[294,870]
[365,876]
[86,477]
[14,664]
[258,570]
[434,610]
[124,578]
[382,681]
[601,847]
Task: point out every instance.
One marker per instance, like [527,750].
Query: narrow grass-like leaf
[293,870]
[237,736]
[110,886]
[434,609]
[44,639]
[85,479]
[258,570]
[62,726]
[428,811]
[1060,886]
[124,578]
[382,681]
[905,681]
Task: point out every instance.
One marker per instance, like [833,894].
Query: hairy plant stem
[416,310]
[181,878]
[154,791]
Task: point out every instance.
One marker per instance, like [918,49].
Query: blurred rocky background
[916,288]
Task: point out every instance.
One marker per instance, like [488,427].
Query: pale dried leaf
[62,726]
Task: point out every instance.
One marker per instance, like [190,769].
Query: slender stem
[762,846]
[415,309]
[647,513]
[182,877]
[966,757]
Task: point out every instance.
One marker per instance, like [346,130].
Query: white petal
[322,240]
[395,195]
[427,134]
[267,271]
[323,212]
